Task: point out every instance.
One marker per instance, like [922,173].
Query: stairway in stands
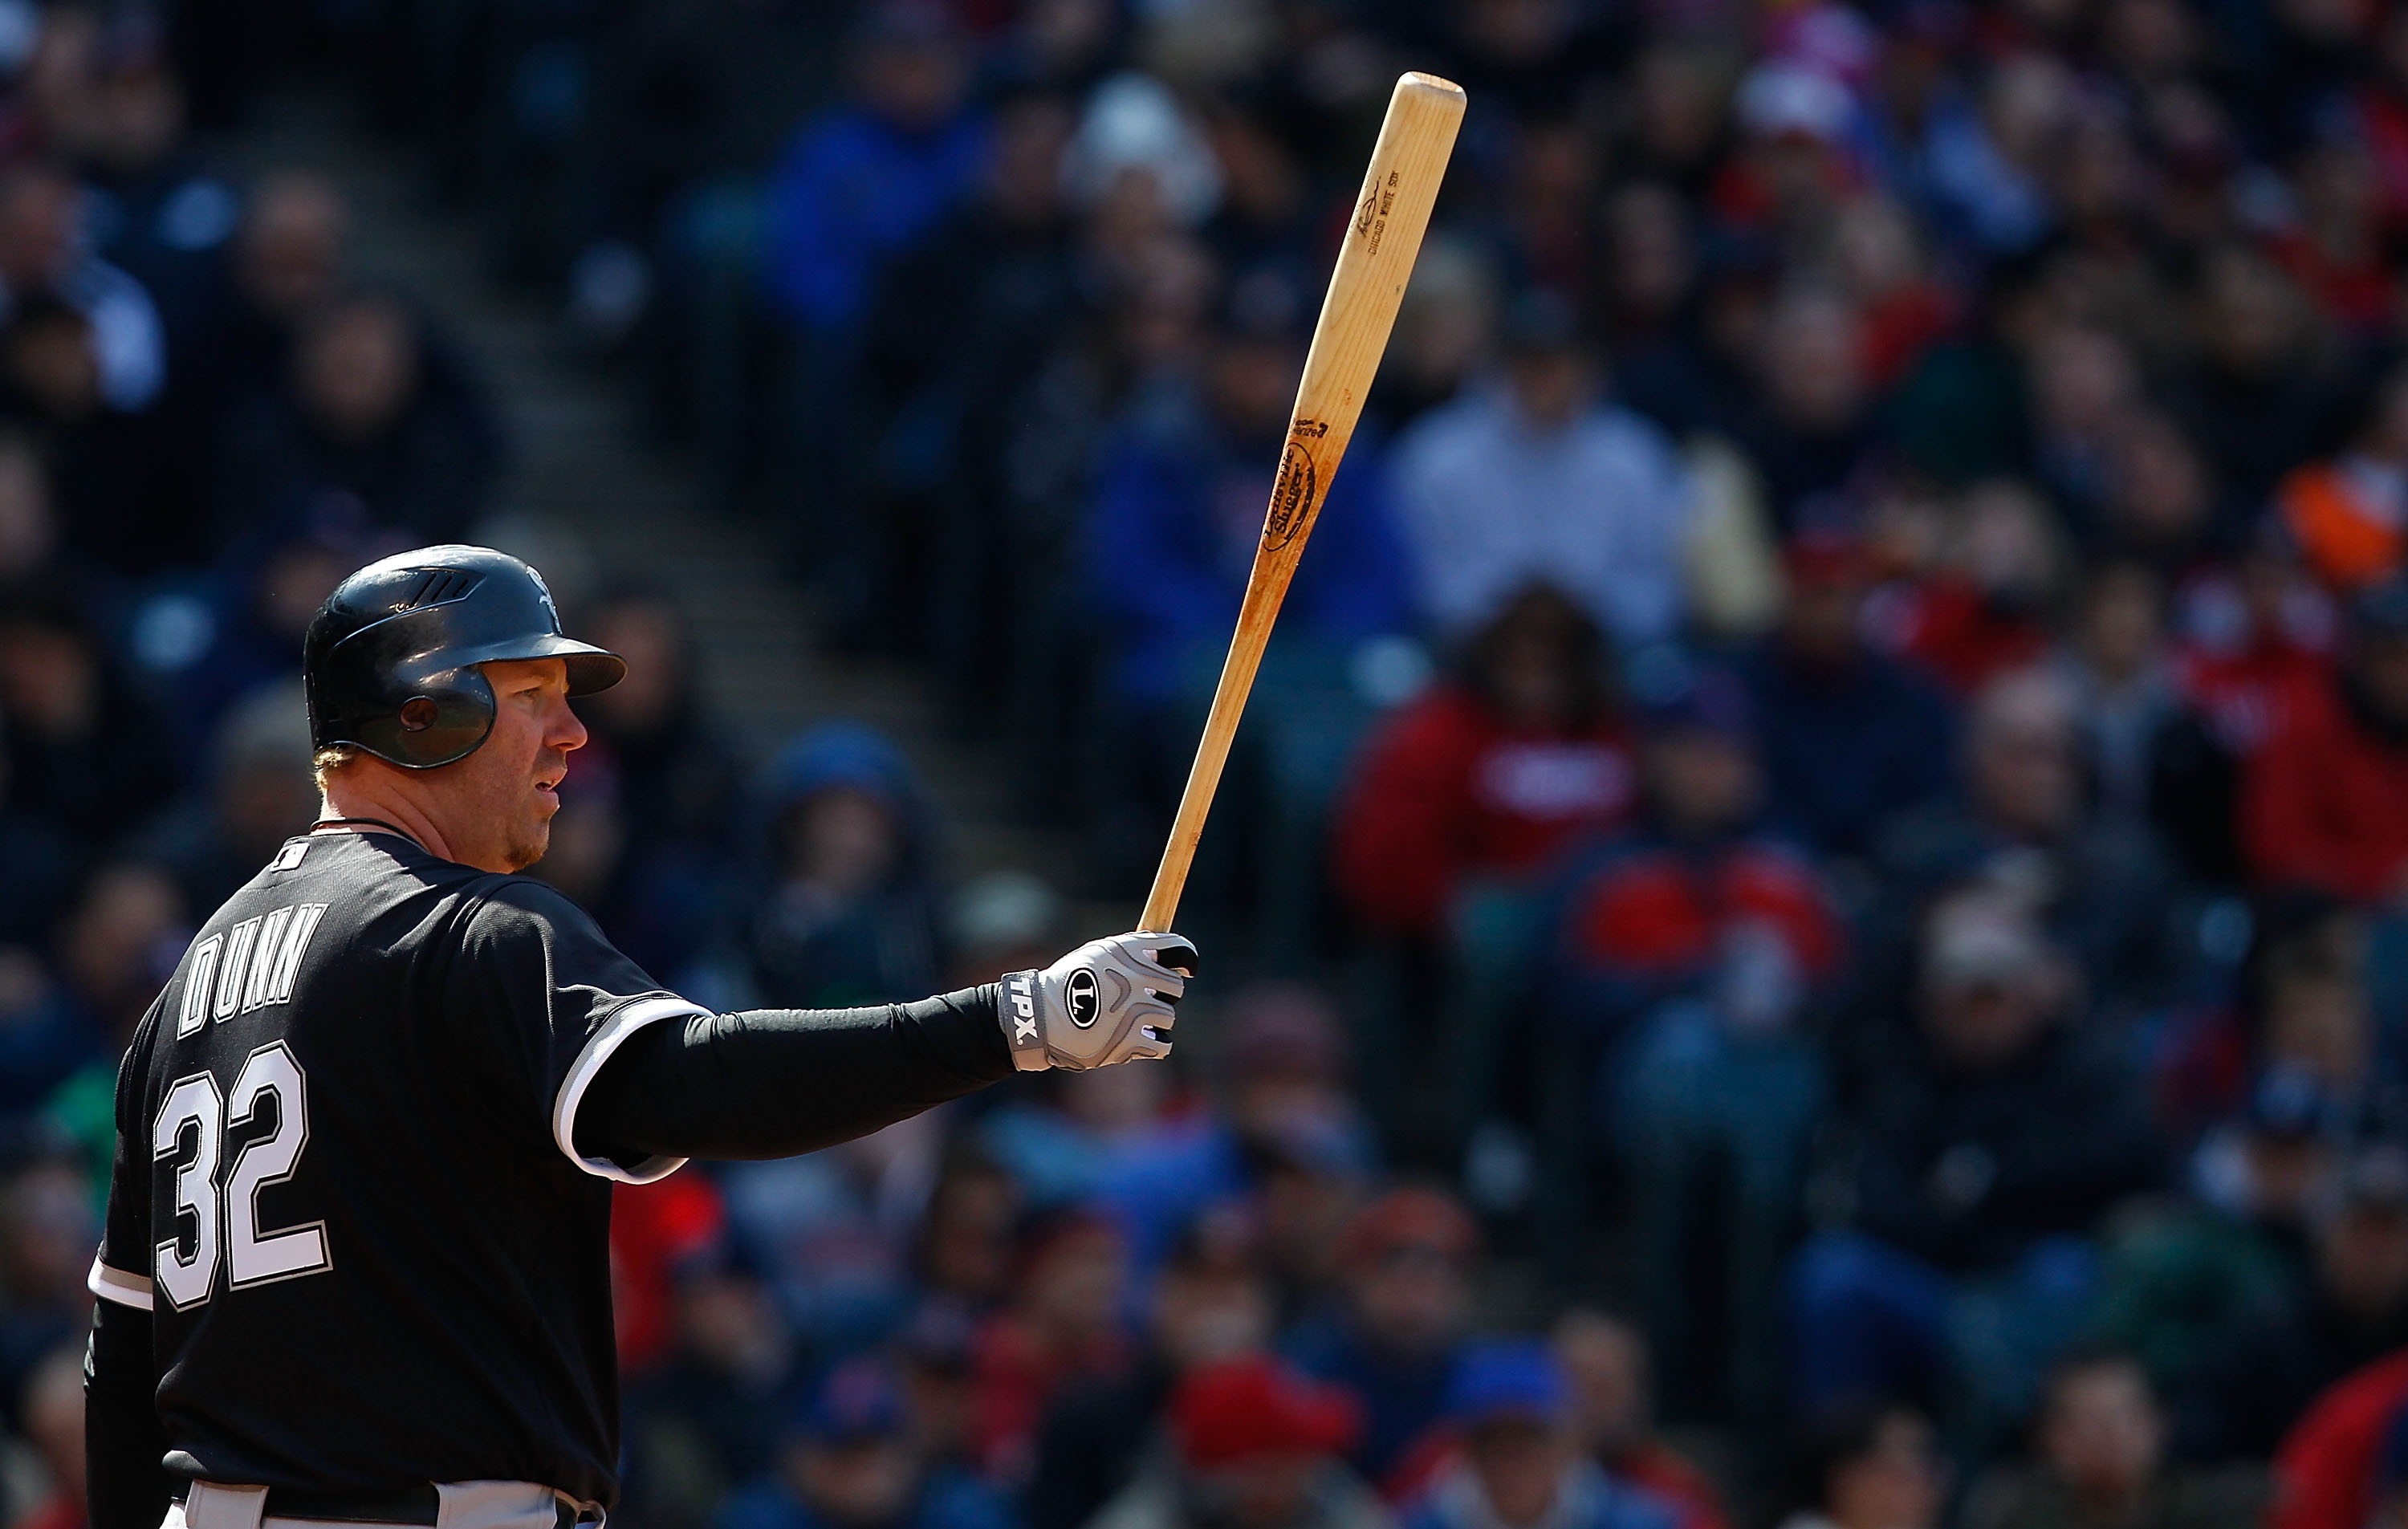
[583,474]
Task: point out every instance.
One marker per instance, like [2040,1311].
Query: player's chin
[528,844]
[532,834]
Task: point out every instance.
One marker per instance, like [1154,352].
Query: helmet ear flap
[432,719]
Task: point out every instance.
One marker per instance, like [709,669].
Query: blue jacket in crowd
[853,190]
[1177,515]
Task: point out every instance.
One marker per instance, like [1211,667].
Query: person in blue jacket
[1176,513]
[849,1463]
[1519,1463]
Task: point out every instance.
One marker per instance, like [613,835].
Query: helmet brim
[590,668]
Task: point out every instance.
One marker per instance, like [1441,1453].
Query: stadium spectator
[2124,693]
[1489,775]
[847,1460]
[372,412]
[1253,1446]
[1060,1144]
[1850,737]
[2100,1459]
[1694,893]
[852,916]
[1977,608]
[1209,1305]
[857,185]
[1995,1132]
[1612,1380]
[1178,511]
[1533,476]
[2346,514]
[1511,1409]
[129,505]
[708,1415]
[963,320]
[2188,1289]
[1814,430]
[2319,806]
[676,782]
[51,1414]
[2327,1473]
[1284,1127]
[1061,1326]
[77,737]
[2266,382]
[290,259]
[46,1220]
[45,257]
[30,547]
[261,794]
[1862,1463]
[860,183]
[1395,1342]
[1691,949]
[2021,818]
[157,210]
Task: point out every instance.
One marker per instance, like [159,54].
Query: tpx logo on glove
[1083,999]
[1023,1008]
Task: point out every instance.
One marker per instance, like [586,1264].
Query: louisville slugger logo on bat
[1294,501]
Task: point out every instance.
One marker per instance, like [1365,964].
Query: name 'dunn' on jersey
[229,1145]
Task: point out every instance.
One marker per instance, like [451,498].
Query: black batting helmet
[390,658]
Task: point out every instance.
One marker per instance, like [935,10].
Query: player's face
[506,793]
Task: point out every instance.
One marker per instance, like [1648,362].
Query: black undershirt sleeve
[123,1442]
[772,1082]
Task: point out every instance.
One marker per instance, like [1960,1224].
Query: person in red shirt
[2253,638]
[1980,613]
[1663,911]
[2326,805]
[1683,959]
[2325,1472]
[653,1228]
[1490,773]
[1064,1326]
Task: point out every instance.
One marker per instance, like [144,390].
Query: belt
[419,1505]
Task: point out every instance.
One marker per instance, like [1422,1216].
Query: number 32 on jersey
[225,1224]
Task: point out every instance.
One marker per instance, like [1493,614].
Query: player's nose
[568,730]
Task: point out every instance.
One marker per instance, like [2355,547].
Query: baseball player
[355,1269]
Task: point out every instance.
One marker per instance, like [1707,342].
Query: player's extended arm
[773,1082]
[122,1439]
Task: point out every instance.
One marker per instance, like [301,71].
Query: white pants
[464,1505]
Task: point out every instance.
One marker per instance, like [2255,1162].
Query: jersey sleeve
[122,1271]
[539,990]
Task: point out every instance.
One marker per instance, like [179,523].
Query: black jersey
[346,1187]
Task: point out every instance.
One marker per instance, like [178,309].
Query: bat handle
[1204,775]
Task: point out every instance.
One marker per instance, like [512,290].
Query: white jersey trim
[125,1289]
[588,1066]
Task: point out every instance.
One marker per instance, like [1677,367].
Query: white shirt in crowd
[1494,500]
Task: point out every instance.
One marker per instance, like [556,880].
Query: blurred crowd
[1810,923]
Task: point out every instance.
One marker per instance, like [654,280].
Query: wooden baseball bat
[1407,165]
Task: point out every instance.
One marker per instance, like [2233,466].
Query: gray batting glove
[1109,1000]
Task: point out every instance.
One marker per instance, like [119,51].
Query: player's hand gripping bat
[1407,165]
